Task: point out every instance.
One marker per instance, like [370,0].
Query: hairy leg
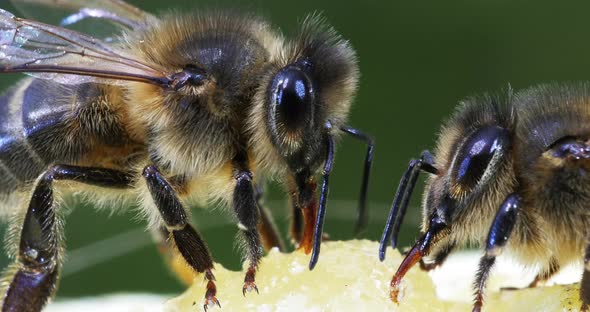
[31,280]
[183,236]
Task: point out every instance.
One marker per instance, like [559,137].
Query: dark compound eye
[291,99]
[475,155]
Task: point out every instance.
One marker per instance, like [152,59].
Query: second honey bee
[511,173]
[176,109]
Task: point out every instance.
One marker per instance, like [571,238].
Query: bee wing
[66,56]
[116,11]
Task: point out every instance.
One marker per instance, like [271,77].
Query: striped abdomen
[43,123]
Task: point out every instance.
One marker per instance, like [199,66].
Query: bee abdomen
[43,123]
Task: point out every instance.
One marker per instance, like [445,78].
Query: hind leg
[31,280]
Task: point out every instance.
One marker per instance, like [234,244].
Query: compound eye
[478,153]
[291,99]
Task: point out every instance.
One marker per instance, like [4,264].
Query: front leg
[497,237]
[246,210]
[189,243]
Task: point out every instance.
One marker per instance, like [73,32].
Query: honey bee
[514,166]
[174,110]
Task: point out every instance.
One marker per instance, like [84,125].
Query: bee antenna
[402,198]
[319,225]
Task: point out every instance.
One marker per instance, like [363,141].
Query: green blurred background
[417,59]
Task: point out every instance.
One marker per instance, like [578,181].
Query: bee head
[303,98]
[307,96]
[473,159]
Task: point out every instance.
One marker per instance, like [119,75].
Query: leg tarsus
[254,254]
[249,283]
[210,299]
[485,265]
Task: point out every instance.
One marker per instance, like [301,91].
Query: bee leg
[246,210]
[362,212]
[173,259]
[497,237]
[38,260]
[439,258]
[267,228]
[37,266]
[188,242]
[544,276]
[296,227]
[402,198]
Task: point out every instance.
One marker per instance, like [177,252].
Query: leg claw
[211,302]
[248,287]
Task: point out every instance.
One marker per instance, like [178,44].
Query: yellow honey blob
[349,277]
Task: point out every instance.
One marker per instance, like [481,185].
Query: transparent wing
[116,11]
[66,56]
